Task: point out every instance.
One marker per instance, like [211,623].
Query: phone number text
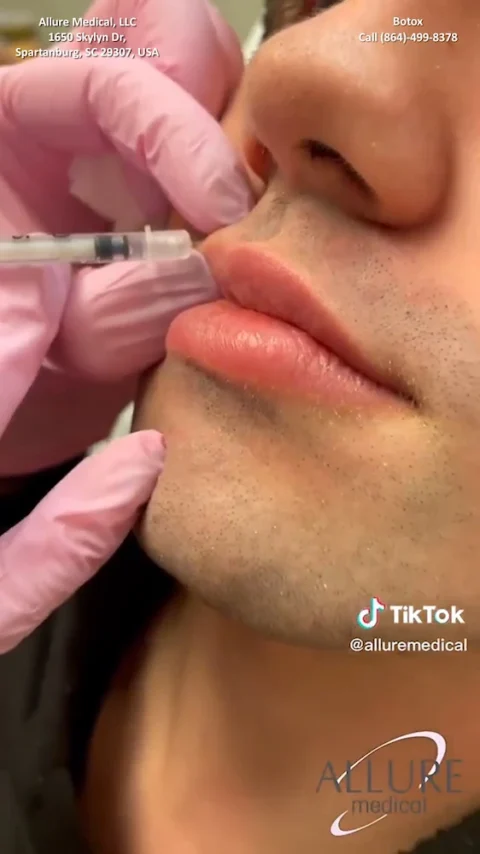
[403,38]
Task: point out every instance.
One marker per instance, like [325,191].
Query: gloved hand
[73,531]
[73,342]
[90,332]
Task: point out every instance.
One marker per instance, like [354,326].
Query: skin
[281,518]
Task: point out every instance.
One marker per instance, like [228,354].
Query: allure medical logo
[382,786]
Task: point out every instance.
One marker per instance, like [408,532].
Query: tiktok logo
[368,618]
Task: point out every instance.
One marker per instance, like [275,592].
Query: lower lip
[266,353]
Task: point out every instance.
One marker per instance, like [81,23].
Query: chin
[221,515]
[207,522]
[284,524]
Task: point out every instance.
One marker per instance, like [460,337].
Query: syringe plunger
[104,248]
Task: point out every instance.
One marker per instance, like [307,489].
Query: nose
[359,123]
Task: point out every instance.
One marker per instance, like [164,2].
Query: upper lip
[253,278]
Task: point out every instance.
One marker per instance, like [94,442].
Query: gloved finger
[31,303]
[127,106]
[116,319]
[73,531]
[188,40]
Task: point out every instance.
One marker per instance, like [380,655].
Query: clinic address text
[86,41]
[83,43]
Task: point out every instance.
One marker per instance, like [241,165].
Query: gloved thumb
[73,531]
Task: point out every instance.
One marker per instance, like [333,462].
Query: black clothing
[52,686]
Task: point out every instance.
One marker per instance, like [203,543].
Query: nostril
[259,159]
[319,151]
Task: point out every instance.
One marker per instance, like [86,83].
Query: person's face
[296,487]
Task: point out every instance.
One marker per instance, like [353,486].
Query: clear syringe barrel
[95,248]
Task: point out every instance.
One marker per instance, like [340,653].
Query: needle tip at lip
[249,275]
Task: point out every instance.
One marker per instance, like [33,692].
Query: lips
[273,331]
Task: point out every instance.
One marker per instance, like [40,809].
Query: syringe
[104,248]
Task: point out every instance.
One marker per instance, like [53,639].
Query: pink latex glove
[73,531]
[73,342]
